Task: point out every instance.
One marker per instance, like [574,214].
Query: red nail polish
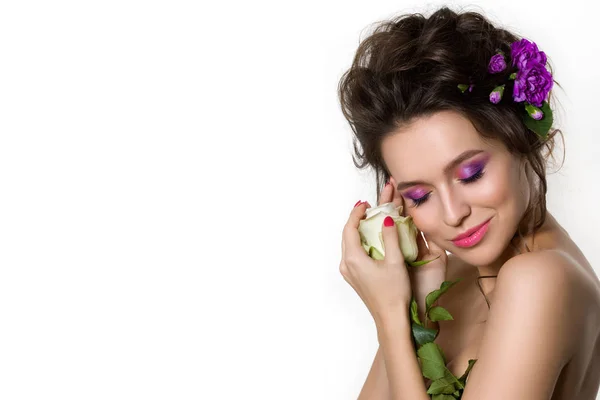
[388,221]
[357,203]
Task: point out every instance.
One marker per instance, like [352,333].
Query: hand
[390,194]
[383,285]
[428,277]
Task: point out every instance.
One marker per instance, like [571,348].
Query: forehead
[428,144]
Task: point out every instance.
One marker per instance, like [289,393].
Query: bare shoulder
[549,265]
[541,273]
[536,318]
[550,284]
[547,269]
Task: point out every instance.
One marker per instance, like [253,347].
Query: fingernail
[357,203]
[388,221]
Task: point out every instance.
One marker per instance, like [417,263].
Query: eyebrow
[463,156]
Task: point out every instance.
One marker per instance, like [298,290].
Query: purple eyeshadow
[467,171]
[471,169]
[416,194]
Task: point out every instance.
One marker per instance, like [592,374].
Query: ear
[525,166]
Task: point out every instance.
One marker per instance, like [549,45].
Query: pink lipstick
[472,236]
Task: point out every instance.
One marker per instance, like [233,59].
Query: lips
[469,232]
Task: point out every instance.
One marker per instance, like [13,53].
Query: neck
[517,246]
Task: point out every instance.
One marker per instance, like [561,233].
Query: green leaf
[458,383]
[443,385]
[414,314]
[462,87]
[542,126]
[450,376]
[423,335]
[432,361]
[438,313]
[442,397]
[422,262]
[456,394]
[512,76]
[463,378]
[433,296]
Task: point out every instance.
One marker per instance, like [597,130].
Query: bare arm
[402,366]
[376,386]
[424,280]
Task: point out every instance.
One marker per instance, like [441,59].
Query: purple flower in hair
[533,84]
[497,63]
[496,94]
[525,53]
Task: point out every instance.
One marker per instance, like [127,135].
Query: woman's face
[452,180]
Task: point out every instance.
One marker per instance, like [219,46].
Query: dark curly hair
[410,66]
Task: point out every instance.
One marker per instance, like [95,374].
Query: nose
[456,209]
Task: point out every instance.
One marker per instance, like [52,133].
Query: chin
[479,255]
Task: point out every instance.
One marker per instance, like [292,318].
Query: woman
[451,112]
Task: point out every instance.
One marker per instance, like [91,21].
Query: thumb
[391,244]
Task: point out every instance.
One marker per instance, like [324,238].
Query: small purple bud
[495,97]
[496,94]
[497,64]
[534,112]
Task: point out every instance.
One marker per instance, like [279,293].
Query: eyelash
[471,179]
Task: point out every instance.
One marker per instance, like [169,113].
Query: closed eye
[476,176]
[420,200]
[473,177]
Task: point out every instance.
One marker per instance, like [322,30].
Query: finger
[395,196]
[350,236]
[386,195]
[391,243]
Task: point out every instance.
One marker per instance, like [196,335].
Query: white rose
[371,236]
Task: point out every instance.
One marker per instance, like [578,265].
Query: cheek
[426,222]
[497,190]
[503,191]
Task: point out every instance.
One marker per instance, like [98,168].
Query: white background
[174,180]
